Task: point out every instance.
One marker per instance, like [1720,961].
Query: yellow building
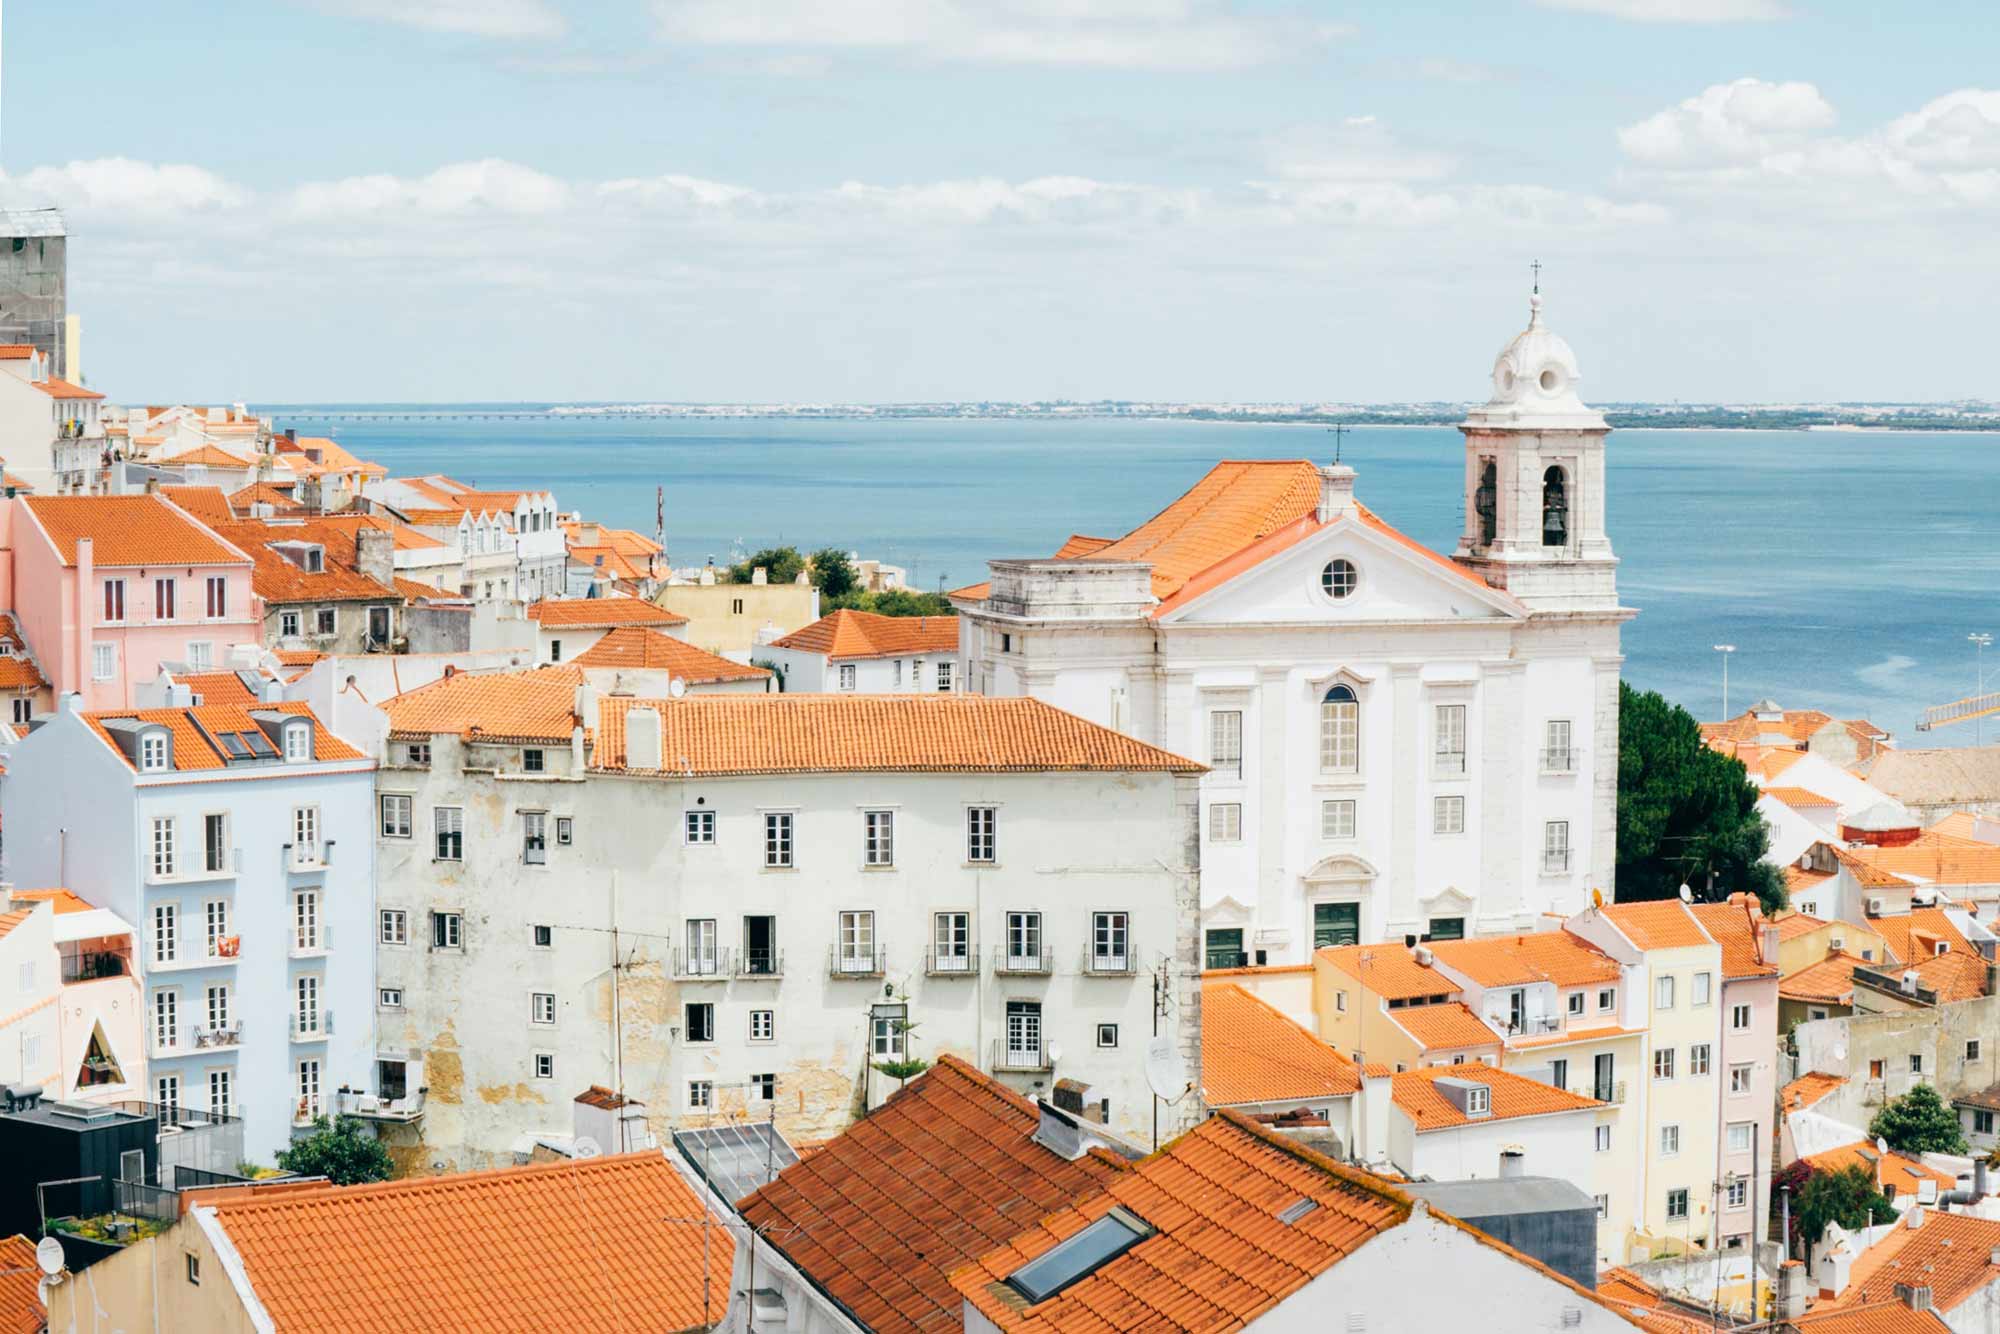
[727,618]
[1389,1005]
[1804,940]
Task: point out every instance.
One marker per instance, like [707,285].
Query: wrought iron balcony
[964,963]
[1559,761]
[843,961]
[760,963]
[373,1107]
[218,1035]
[1020,1058]
[701,965]
[1009,961]
[1123,964]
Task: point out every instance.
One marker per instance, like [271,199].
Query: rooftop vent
[1297,1209]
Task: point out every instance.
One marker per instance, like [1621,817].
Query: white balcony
[310,945]
[207,1038]
[316,1026]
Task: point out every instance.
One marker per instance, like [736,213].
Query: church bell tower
[1534,480]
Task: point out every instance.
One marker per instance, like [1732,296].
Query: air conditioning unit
[1874,905]
[1923,898]
[1422,954]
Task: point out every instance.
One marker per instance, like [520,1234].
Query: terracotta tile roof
[605,561]
[1988,1097]
[1830,981]
[1444,1027]
[1388,970]
[1512,1095]
[1914,937]
[412,591]
[635,646]
[20,486]
[1890,1317]
[278,495]
[193,728]
[1865,872]
[769,734]
[1626,1292]
[208,456]
[940,1174]
[65,901]
[128,530]
[298,657]
[1594,1033]
[407,537]
[865,634]
[1255,970]
[600,613]
[1221,1253]
[16,351]
[1954,776]
[206,503]
[1797,726]
[1955,976]
[280,581]
[1896,1169]
[625,541]
[1938,859]
[1738,926]
[1800,798]
[538,705]
[1541,956]
[597,1243]
[1807,1089]
[13,918]
[55,388]
[1795,924]
[1252,1053]
[219,688]
[601,1097]
[1657,924]
[1952,1254]
[18,670]
[21,1309]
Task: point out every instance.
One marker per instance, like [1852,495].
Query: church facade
[1400,744]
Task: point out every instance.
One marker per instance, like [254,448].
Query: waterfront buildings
[1400,744]
[861,651]
[240,840]
[735,619]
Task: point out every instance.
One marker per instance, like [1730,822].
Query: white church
[1400,744]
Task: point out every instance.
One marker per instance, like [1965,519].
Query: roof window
[1297,1209]
[1079,1256]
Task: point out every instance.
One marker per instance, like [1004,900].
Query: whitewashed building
[69,1001]
[861,652]
[739,905]
[237,838]
[1399,743]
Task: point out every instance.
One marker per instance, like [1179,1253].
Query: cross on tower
[1337,431]
[1537,267]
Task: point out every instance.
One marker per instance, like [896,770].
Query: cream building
[1400,744]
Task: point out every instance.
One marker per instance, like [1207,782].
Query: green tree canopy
[341,1151]
[781,565]
[1686,813]
[892,602]
[833,573]
[1919,1122]
[1847,1197]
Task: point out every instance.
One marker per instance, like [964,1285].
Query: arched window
[1486,502]
[1555,509]
[1340,732]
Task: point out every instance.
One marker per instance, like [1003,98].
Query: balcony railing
[1011,962]
[1448,764]
[1019,1057]
[1109,965]
[305,1110]
[760,963]
[1559,761]
[702,965]
[166,1044]
[1555,861]
[1613,1093]
[372,1107]
[96,964]
[219,1035]
[842,961]
[964,963]
[314,1027]
[311,945]
[306,857]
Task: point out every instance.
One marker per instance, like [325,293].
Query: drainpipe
[86,584]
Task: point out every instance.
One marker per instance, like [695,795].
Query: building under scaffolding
[34,297]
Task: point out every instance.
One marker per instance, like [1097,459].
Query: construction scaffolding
[34,288]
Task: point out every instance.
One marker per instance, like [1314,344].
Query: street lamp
[1725,650]
[1979,643]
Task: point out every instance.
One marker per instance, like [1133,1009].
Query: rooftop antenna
[1337,431]
[1536,266]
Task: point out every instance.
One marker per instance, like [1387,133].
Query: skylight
[1079,1256]
[1297,1209]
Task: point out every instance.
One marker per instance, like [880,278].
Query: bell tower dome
[1534,479]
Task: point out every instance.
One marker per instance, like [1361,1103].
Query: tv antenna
[1337,431]
[1536,266]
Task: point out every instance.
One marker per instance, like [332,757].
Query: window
[1448,815]
[1699,994]
[534,837]
[298,743]
[167,1092]
[288,625]
[541,1007]
[217,605]
[447,931]
[886,1035]
[1607,999]
[1741,1134]
[305,920]
[698,827]
[1670,1141]
[896,673]
[1448,740]
[565,830]
[1604,1139]
[545,1065]
[542,937]
[417,753]
[1225,742]
[152,752]
[763,1025]
[200,655]
[1677,1204]
[395,926]
[1604,1077]
[166,1020]
[448,823]
[216,918]
[1916,1063]
[163,599]
[1663,993]
[1698,1059]
[1024,1034]
[878,838]
[532,760]
[397,812]
[1555,511]
[701,1094]
[305,834]
[1576,1003]
[1555,847]
[218,1005]
[1737,1193]
[1225,822]
[944,675]
[778,838]
[847,676]
[1559,1074]
[1006,643]
[114,600]
[1338,579]
[763,1088]
[1336,819]
[219,1100]
[701,953]
[165,862]
[1557,757]
[166,932]
[1446,928]
[951,942]
[1663,1063]
[392,998]
[325,621]
[1336,924]
[305,1013]
[1982,1123]
[1340,731]
[857,942]
[1603,1206]
[24,709]
[555,650]
[1223,948]
[103,662]
[982,824]
[1876,1068]
[1110,934]
[1107,1035]
[1024,942]
[1739,1018]
[1478,1100]
[1972,1049]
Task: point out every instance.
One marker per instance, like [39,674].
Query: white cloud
[488,186]
[1359,148]
[1129,34]
[1678,11]
[1960,129]
[118,185]
[477,18]
[1729,122]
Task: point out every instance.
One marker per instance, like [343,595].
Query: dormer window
[1478,1100]
[153,753]
[315,560]
[298,743]
[1555,508]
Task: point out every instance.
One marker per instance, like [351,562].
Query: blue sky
[728,200]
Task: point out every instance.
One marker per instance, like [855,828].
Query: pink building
[1747,1092]
[106,588]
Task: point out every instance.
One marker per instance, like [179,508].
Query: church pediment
[1343,869]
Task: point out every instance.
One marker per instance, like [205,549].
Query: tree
[1848,1197]
[341,1151]
[892,602]
[781,565]
[910,1065]
[1919,1122]
[1686,814]
[833,573]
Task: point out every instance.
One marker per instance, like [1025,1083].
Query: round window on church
[1551,380]
[1337,580]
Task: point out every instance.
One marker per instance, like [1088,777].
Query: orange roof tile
[1625,1291]
[1448,1027]
[1563,1036]
[65,901]
[1936,858]
[206,503]
[537,705]
[16,351]
[1952,1254]
[1797,726]
[1955,976]
[768,734]
[1390,971]
[1657,924]
[1830,981]
[942,1172]
[55,388]
[219,688]
[280,580]
[298,657]
[600,613]
[1807,1089]
[595,1243]
[1512,1095]
[636,647]
[208,456]
[1891,1317]
[1738,926]
[13,918]
[1864,870]
[1800,798]
[1896,1169]
[21,1309]
[866,634]
[1914,937]
[1541,956]
[194,730]
[275,494]
[1251,1053]
[18,670]
[20,486]
[625,541]
[128,530]
[1255,970]
[1795,924]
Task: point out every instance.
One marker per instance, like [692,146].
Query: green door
[1336,924]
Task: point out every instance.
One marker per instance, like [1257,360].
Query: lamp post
[1725,650]
[1979,643]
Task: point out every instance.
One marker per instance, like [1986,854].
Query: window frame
[385,825]
[1449,725]
[1225,743]
[781,840]
[878,838]
[1337,807]
[452,829]
[1225,829]
[1340,730]
[698,827]
[542,1009]
[1447,815]
[982,835]
[399,920]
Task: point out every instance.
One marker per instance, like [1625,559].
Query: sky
[897,200]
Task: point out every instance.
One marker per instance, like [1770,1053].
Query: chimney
[1058,1132]
[1794,1290]
[642,739]
[375,555]
[1916,1296]
[1336,491]
[1371,1133]
[1513,1163]
[1915,1218]
[1770,944]
[760,575]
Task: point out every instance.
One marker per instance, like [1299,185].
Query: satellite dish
[1687,894]
[1162,1071]
[1597,898]
[677,687]
[49,1255]
[1055,1054]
